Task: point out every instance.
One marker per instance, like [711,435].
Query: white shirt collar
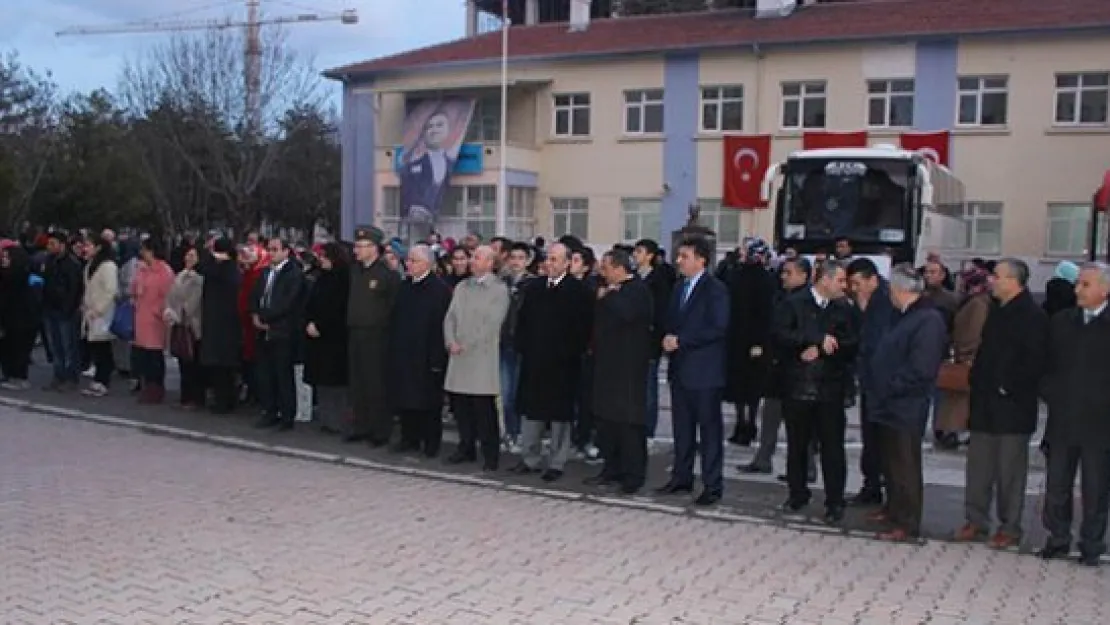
[420,278]
[817,297]
[1091,314]
[553,282]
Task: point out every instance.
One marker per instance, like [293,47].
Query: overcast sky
[87,62]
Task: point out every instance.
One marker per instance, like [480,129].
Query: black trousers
[276,383]
[476,416]
[192,380]
[900,450]
[15,353]
[149,365]
[222,382]
[870,460]
[1094,488]
[103,360]
[624,449]
[422,429]
[585,422]
[807,421]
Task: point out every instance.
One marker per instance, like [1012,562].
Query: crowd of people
[545,352]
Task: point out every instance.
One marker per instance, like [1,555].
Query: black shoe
[431,452]
[459,458]
[948,442]
[755,468]
[794,505]
[811,475]
[601,479]
[630,489]
[834,514]
[404,447]
[353,438]
[376,443]
[1090,559]
[551,475]
[266,423]
[868,497]
[521,468]
[672,488]
[284,426]
[1053,552]
[707,498]
[489,467]
[781,477]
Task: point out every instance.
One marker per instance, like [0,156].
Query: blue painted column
[935,87]
[680,154]
[357,143]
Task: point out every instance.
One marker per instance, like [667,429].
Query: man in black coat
[277,312]
[553,331]
[659,277]
[752,292]
[902,373]
[818,333]
[1078,430]
[61,294]
[1005,379]
[418,355]
[622,350]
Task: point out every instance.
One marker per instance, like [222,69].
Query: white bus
[893,205]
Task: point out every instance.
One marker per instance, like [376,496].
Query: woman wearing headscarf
[325,366]
[183,308]
[152,283]
[20,315]
[98,307]
[221,345]
[967,329]
[1059,291]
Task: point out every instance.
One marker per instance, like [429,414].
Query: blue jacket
[701,326]
[908,357]
[876,321]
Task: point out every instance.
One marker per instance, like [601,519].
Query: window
[983,100]
[890,103]
[803,105]
[1069,230]
[572,115]
[520,222]
[391,211]
[1082,98]
[722,108]
[485,123]
[641,219]
[724,221]
[984,227]
[465,210]
[643,112]
[571,216]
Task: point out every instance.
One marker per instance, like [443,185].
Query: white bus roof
[872,152]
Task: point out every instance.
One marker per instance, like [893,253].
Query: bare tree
[203,77]
[28,119]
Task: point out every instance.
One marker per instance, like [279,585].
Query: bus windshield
[864,200]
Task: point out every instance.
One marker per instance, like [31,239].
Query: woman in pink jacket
[149,289]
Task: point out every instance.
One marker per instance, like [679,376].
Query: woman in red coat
[253,260]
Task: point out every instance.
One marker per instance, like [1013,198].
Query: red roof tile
[829,22]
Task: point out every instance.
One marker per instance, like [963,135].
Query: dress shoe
[834,514]
[629,489]
[1002,540]
[1053,552]
[756,468]
[266,423]
[551,475]
[284,426]
[707,498]
[489,467]
[878,516]
[459,457]
[970,533]
[1090,559]
[522,468]
[600,479]
[376,443]
[794,505]
[353,438]
[672,488]
[868,497]
[896,535]
[404,447]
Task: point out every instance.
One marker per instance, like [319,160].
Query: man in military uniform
[373,289]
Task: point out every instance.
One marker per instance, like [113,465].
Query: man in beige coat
[472,332]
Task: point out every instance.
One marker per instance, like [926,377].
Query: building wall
[1025,165]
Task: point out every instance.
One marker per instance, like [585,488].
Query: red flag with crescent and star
[816,140]
[931,145]
[746,158]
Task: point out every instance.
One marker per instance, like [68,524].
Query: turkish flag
[931,145]
[822,139]
[746,158]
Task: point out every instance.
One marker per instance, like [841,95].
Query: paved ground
[104,524]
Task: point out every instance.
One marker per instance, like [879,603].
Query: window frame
[720,101]
[710,213]
[980,91]
[642,105]
[886,97]
[1078,91]
[973,214]
[568,208]
[486,107]
[570,109]
[640,203]
[1050,219]
[801,98]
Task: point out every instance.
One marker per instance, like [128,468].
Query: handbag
[182,343]
[123,321]
[954,376]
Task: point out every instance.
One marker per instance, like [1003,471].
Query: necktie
[1087,317]
[271,276]
[687,286]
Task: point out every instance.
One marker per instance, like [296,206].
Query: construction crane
[252,66]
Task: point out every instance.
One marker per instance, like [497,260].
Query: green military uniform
[373,290]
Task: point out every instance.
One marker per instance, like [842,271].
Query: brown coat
[967,333]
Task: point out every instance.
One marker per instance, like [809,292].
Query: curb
[234,442]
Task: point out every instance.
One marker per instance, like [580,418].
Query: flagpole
[502,181]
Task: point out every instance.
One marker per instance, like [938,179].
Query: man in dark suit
[1078,431]
[659,277]
[277,307]
[696,343]
[424,180]
[818,335]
